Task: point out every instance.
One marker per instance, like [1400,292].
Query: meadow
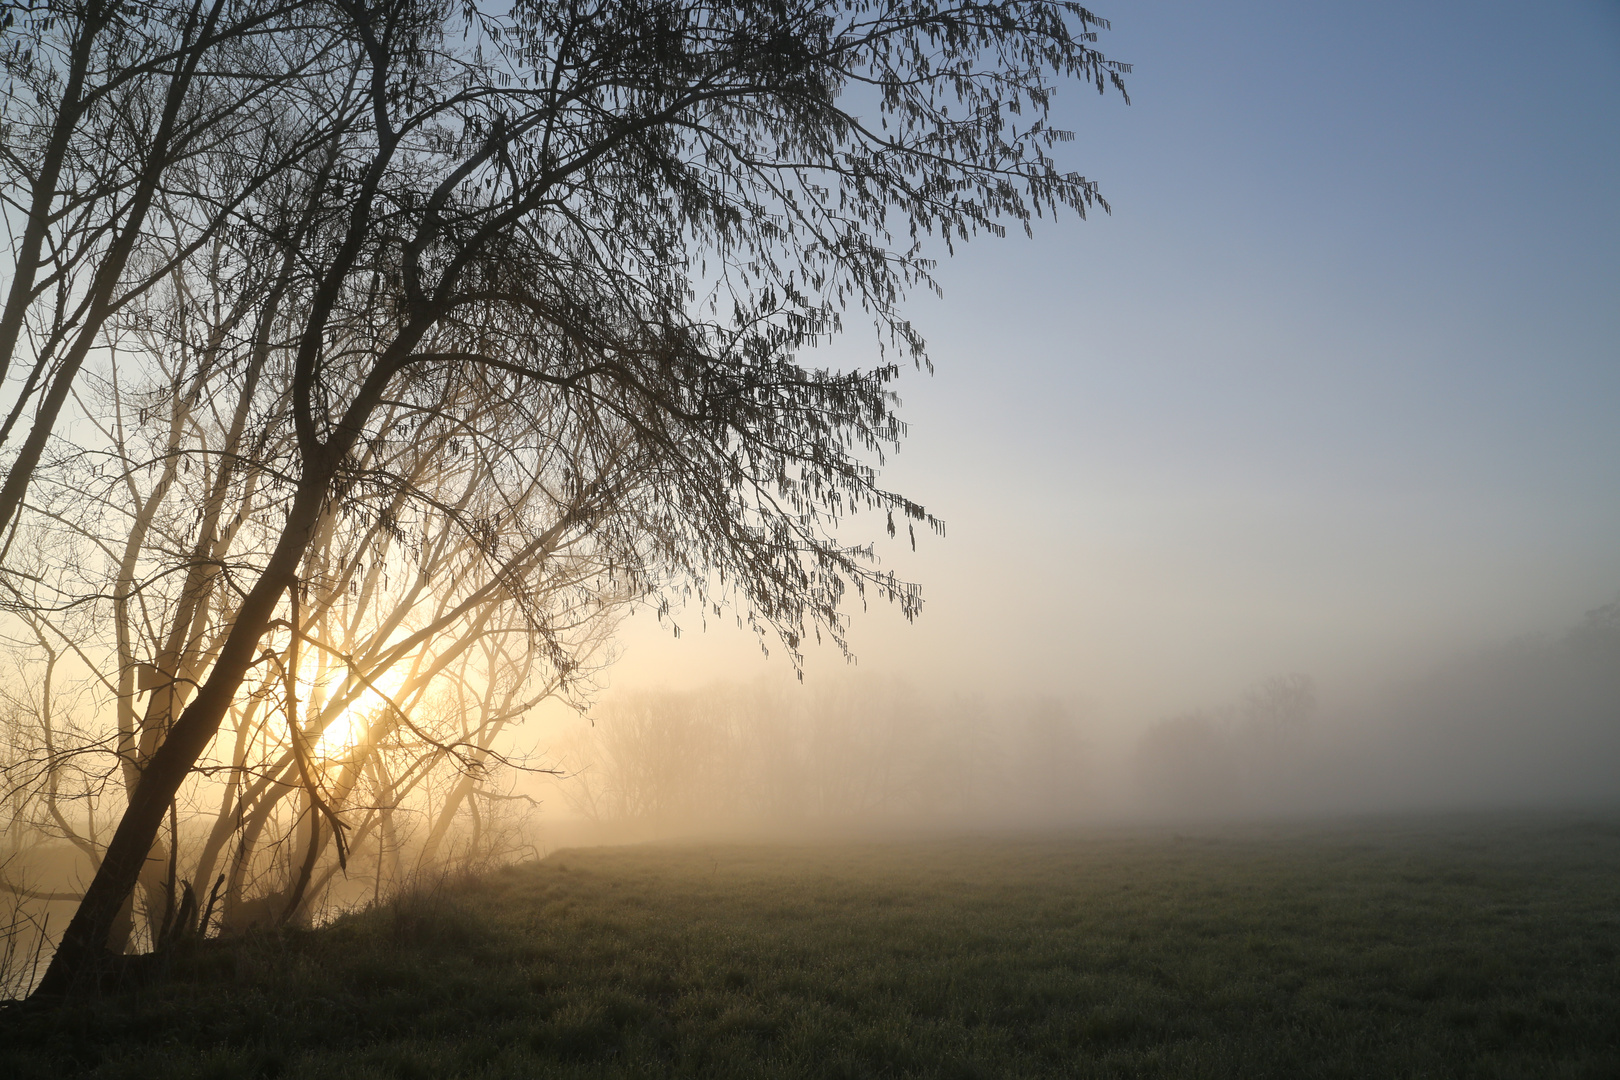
[1481,946]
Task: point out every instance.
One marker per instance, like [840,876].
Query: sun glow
[350,728]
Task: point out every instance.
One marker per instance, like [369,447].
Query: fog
[1330,393]
[1531,723]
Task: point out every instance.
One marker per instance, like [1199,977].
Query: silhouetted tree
[133,133]
[585,244]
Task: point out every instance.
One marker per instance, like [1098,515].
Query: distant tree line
[864,751]
[1229,758]
[1532,722]
[1529,722]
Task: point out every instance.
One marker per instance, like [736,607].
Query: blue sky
[1335,388]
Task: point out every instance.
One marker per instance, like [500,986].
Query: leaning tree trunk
[82,958]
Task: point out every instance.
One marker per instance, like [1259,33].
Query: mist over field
[1531,723]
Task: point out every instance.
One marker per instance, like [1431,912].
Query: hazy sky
[1336,388]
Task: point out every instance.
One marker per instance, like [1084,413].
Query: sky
[1335,388]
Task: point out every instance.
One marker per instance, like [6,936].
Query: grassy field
[1468,947]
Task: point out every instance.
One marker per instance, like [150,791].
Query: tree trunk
[81,959]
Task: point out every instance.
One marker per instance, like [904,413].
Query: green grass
[1470,948]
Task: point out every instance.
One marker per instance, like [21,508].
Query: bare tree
[583,245]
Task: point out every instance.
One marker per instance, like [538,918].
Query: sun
[349,729]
